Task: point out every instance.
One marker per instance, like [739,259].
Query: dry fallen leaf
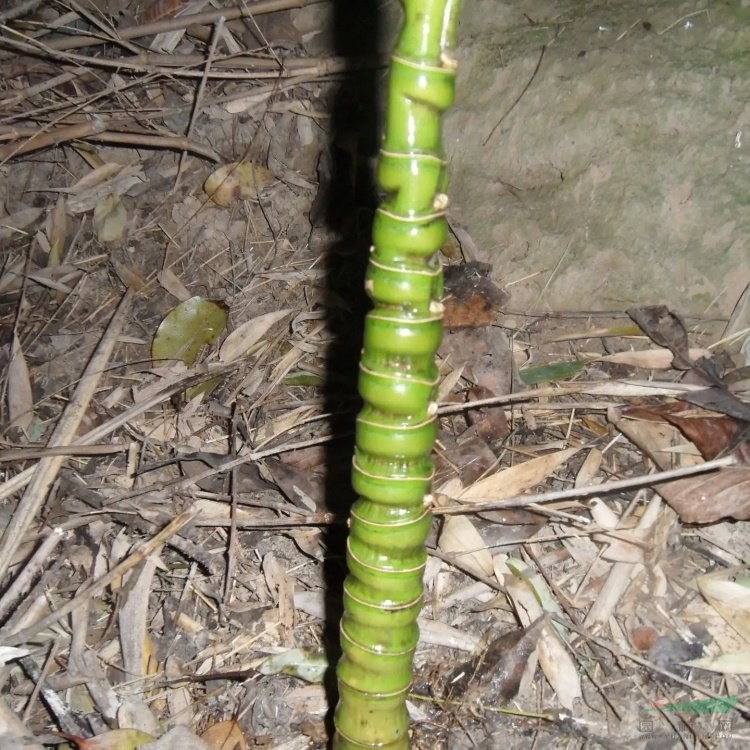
[96,177]
[237,181]
[225,735]
[460,537]
[650,359]
[664,328]
[109,179]
[711,432]
[495,674]
[110,219]
[589,471]
[20,398]
[115,739]
[57,232]
[515,480]
[171,283]
[710,497]
[248,334]
[705,498]
[728,592]
[138,653]
[129,276]
[736,663]
[309,664]
[531,599]
[10,224]
[177,738]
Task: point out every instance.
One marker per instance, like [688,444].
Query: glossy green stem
[396,429]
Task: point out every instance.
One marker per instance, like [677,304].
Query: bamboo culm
[397,426]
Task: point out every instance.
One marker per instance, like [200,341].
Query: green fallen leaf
[193,324]
[541,591]
[304,378]
[115,739]
[309,664]
[186,328]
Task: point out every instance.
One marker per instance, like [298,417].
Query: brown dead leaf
[472,299]
[710,432]
[11,278]
[656,439]
[226,735]
[515,480]
[650,359]
[169,281]
[178,696]
[135,643]
[308,459]
[728,592]
[699,499]
[310,542]
[666,329]
[57,232]
[113,179]
[281,585]
[531,599]
[22,219]
[470,456]
[718,398]
[590,467]
[129,276]
[178,738]
[96,177]
[304,489]
[495,674]
[20,397]
[237,181]
[460,537]
[243,338]
[624,546]
[736,663]
[110,219]
[489,422]
[710,497]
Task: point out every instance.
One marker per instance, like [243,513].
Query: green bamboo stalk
[396,429]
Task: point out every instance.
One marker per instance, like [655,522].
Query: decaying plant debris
[173,524]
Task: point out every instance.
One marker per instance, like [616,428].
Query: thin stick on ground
[24,579]
[47,469]
[97,586]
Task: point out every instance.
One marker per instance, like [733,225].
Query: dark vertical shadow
[349,202]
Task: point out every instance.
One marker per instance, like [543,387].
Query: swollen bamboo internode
[396,429]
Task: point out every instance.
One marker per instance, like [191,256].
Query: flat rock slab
[599,152]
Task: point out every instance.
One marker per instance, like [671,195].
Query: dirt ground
[179,357]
